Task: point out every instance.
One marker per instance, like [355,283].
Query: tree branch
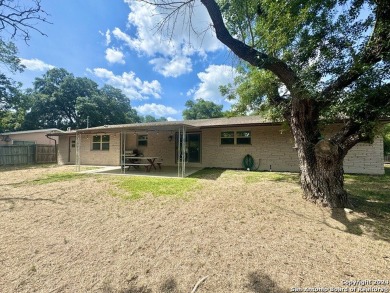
[249,54]
[21,19]
[377,49]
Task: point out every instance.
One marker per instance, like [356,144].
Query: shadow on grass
[208,173]
[353,227]
[262,283]
[370,196]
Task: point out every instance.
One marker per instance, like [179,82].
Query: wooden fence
[27,154]
[387,158]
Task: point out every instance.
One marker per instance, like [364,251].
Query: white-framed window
[236,137]
[142,140]
[243,137]
[227,137]
[101,142]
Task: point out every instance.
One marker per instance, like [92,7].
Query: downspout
[55,146]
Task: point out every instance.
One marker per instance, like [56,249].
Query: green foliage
[61,100]
[138,187]
[202,109]
[150,118]
[10,93]
[319,41]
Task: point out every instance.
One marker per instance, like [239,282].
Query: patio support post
[178,153]
[123,151]
[183,157]
[78,155]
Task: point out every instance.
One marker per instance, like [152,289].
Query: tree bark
[322,174]
[320,161]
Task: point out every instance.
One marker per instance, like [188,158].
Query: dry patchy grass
[245,231]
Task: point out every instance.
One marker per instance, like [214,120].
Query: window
[101,142]
[243,137]
[238,137]
[227,137]
[142,140]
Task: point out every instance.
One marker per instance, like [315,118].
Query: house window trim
[144,140]
[235,138]
[101,142]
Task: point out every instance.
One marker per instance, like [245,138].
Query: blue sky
[113,42]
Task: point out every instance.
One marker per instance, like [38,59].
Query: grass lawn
[237,231]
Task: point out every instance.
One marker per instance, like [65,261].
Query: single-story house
[29,137]
[220,142]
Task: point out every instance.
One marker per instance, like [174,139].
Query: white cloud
[210,80]
[35,64]
[132,86]
[172,67]
[108,37]
[157,110]
[115,56]
[171,52]
[171,119]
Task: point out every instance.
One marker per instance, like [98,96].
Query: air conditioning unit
[6,138]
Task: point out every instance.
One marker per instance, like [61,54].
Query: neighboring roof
[48,130]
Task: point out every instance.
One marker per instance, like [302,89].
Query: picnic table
[138,161]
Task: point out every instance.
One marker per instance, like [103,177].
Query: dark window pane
[96,146]
[227,140]
[243,140]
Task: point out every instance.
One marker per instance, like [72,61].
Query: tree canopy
[202,109]
[61,100]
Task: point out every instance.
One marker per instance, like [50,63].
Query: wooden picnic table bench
[137,161]
[135,165]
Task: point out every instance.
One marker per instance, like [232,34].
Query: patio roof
[174,125]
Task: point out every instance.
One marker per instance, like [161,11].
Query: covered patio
[146,149]
[167,171]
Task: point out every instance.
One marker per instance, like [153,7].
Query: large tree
[202,109]
[10,93]
[315,61]
[61,100]
[17,20]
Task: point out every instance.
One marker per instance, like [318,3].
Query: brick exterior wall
[102,157]
[271,147]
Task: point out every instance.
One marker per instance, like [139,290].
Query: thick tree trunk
[320,161]
[322,174]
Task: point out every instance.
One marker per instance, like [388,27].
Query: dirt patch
[244,235]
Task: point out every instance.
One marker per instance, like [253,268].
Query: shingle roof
[202,123]
[48,130]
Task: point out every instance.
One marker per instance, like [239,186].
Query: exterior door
[72,149]
[193,147]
